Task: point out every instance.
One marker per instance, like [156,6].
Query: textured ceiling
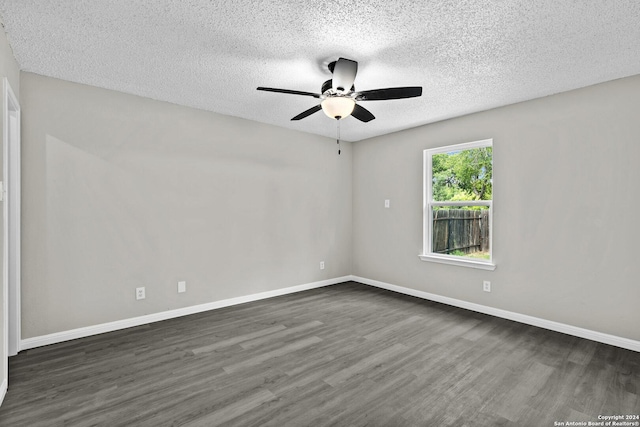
[467,55]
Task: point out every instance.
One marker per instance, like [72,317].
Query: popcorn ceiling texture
[468,55]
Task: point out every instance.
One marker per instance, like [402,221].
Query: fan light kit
[339,98]
[337,107]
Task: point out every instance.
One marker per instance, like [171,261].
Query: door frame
[11,191]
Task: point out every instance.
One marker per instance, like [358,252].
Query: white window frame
[428,205]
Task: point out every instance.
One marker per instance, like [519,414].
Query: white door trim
[11,221]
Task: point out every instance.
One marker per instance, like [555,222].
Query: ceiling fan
[339,97]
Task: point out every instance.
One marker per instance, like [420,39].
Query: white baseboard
[517,317]
[170,314]
[57,337]
[3,390]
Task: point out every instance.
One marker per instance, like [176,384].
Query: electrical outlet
[321,265]
[140,293]
[182,287]
[486,286]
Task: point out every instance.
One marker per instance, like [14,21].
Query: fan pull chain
[338,137]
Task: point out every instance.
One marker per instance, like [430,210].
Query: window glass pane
[463,175]
[461,231]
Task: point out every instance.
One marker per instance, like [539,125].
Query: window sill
[458,261]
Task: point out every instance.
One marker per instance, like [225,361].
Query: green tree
[463,175]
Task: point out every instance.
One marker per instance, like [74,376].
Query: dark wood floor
[343,355]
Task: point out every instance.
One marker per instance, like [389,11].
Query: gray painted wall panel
[121,191]
[565,198]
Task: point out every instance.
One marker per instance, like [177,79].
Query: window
[458,204]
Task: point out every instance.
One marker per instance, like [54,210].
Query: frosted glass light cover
[338,106]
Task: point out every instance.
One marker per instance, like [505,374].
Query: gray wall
[566,203]
[121,191]
[9,69]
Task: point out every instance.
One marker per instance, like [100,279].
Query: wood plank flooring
[343,355]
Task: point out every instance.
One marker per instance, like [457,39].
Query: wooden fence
[461,230]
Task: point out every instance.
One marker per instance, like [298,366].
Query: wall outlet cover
[486,286]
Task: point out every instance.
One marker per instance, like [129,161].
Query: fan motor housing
[328,85]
